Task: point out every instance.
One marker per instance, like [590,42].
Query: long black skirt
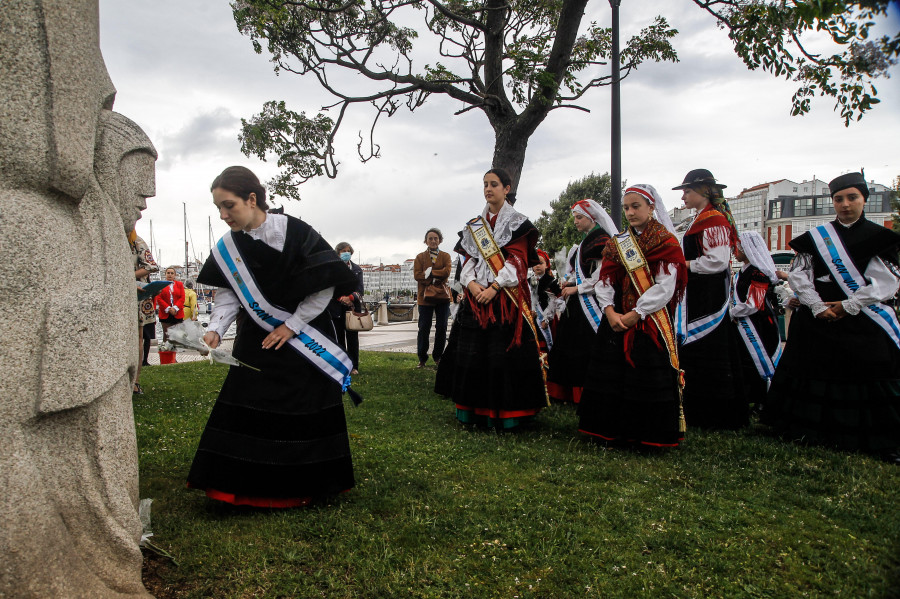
[630,404]
[491,383]
[713,398]
[837,384]
[277,437]
[571,353]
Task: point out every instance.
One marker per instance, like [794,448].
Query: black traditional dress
[277,437]
[631,389]
[709,348]
[491,368]
[544,294]
[755,303]
[577,325]
[838,382]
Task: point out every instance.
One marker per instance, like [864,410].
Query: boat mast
[186,264]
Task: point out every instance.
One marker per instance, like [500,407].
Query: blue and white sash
[765,364]
[688,332]
[848,277]
[319,350]
[588,302]
[539,317]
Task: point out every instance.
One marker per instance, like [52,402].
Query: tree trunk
[510,144]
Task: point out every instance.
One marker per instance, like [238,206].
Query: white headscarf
[649,193]
[596,213]
[754,247]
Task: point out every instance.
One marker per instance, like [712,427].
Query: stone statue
[68,458]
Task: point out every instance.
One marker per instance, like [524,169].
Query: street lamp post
[615,200]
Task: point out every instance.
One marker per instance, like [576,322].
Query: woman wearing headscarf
[755,318]
[632,390]
[709,349]
[581,318]
[492,368]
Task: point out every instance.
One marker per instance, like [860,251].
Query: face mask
[345,256]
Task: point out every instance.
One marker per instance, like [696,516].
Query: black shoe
[145,363]
[137,390]
[421,365]
[892,457]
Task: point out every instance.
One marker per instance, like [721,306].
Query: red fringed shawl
[711,217]
[662,252]
[516,253]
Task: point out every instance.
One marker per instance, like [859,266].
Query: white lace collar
[508,220]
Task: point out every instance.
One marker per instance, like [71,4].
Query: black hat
[699,176]
[856,180]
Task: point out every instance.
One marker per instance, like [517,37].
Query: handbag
[358,321]
[437,293]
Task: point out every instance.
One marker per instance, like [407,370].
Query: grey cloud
[206,134]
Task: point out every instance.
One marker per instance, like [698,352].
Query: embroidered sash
[688,332]
[588,302]
[315,347]
[493,257]
[639,272]
[835,256]
[765,364]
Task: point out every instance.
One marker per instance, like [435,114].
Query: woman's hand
[172,310]
[347,300]
[212,339]
[486,295]
[837,308]
[544,324]
[630,319]
[278,337]
[569,290]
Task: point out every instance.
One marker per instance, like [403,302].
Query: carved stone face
[137,182]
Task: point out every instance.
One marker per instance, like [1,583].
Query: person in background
[349,340]
[838,381]
[277,436]
[170,302]
[190,301]
[431,268]
[545,294]
[709,347]
[492,368]
[144,266]
[753,310]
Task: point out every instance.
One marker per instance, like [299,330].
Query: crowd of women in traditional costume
[581,317]
[646,332]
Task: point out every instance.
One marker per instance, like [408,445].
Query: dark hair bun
[241,181]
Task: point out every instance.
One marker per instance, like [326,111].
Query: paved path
[392,337]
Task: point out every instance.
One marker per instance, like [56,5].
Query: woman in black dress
[491,368]
[276,437]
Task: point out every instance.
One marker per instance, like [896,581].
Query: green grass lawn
[444,510]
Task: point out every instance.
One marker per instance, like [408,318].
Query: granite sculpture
[69,524]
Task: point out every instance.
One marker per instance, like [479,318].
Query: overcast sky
[185,74]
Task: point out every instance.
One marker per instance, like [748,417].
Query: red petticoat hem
[499,413]
[605,438]
[269,502]
[563,393]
